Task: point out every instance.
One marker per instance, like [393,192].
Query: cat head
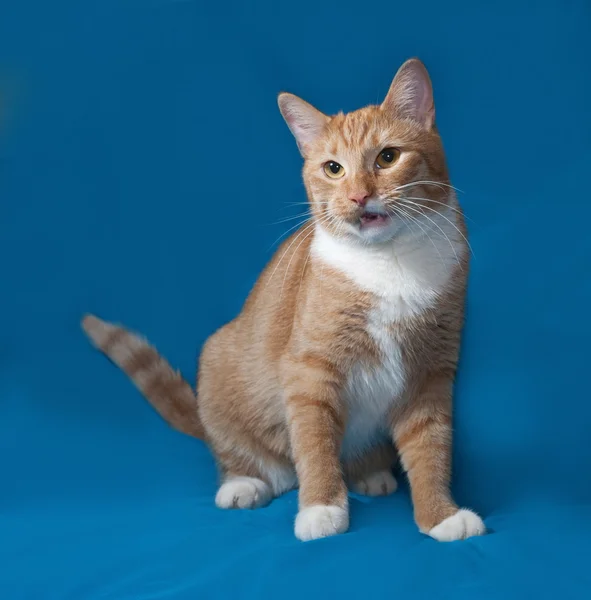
[362,169]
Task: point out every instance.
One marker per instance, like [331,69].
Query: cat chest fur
[405,279]
[372,389]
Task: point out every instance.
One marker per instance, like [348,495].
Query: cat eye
[387,157]
[333,169]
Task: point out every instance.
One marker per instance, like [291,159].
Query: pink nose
[360,198]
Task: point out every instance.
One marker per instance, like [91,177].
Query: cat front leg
[423,434]
[316,426]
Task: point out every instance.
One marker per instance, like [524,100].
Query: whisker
[457,210]
[304,214]
[323,219]
[321,202]
[297,236]
[427,182]
[428,226]
[416,221]
[431,200]
[286,232]
[305,228]
[304,270]
[448,220]
[438,227]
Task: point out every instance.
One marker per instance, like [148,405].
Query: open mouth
[371,219]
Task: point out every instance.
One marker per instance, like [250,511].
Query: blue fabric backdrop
[143,164]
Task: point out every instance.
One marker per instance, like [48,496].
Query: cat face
[362,169]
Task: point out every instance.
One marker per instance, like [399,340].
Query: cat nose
[360,198]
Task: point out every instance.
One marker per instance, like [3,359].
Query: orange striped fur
[345,352]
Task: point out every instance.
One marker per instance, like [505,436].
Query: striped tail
[164,387]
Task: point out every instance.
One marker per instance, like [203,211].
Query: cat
[344,355]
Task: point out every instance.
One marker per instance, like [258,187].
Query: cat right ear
[305,122]
[411,94]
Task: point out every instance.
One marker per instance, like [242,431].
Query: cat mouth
[372,220]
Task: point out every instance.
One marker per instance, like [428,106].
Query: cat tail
[164,387]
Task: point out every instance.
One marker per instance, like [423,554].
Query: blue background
[143,168]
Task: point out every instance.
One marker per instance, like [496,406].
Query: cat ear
[305,121]
[411,95]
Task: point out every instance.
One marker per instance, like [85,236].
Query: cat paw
[462,525]
[243,492]
[321,521]
[380,483]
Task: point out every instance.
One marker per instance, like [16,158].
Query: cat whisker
[402,213]
[457,210]
[321,202]
[304,270]
[284,220]
[286,232]
[438,227]
[340,228]
[323,219]
[304,229]
[398,207]
[427,182]
[406,201]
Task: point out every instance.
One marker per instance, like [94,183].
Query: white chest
[405,277]
[371,390]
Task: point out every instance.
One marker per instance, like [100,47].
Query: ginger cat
[346,349]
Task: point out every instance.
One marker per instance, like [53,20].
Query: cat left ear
[305,121]
[411,94]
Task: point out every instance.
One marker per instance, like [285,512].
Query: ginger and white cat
[345,352]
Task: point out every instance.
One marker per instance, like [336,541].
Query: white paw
[381,483]
[321,521]
[243,492]
[462,525]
